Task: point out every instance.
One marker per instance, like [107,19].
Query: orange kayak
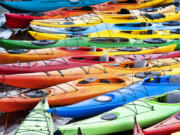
[51,78]
[24,55]
[64,94]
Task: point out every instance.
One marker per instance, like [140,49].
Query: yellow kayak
[50,53]
[108,18]
[140,34]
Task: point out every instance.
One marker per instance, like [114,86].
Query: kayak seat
[124,11]
[140,64]
[93,49]
[37,94]
[74,29]
[130,49]
[155,40]
[104,58]
[68,23]
[174,79]
[173,97]
[19,51]
[87,80]
[36,14]
[175,31]
[71,35]
[105,81]
[172,23]
[149,9]
[43,42]
[109,116]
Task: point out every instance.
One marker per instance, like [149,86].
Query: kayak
[51,78]
[137,129]
[143,34]
[62,63]
[38,121]
[22,20]
[116,5]
[88,42]
[150,10]
[147,112]
[64,94]
[76,61]
[46,5]
[149,18]
[106,26]
[24,55]
[165,127]
[111,100]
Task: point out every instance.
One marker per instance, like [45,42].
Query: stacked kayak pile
[113,66]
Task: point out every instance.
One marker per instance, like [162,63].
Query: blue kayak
[46,5]
[150,86]
[105,26]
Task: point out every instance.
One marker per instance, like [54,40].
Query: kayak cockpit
[109,80]
[171,97]
[103,58]
[139,64]
[109,40]
[143,24]
[174,79]
[80,49]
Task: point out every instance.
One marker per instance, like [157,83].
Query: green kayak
[147,111]
[87,42]
[38,122]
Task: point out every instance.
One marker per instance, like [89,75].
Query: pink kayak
[76,61]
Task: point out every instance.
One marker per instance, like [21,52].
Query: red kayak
[76,61]
[22,20]
[165,127]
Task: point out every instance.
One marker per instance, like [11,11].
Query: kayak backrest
[140,64]
[93,48]
[75,29]
[173,97]
[87,80]
[174,79]
[71,35]
[104,58]
[105,81]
